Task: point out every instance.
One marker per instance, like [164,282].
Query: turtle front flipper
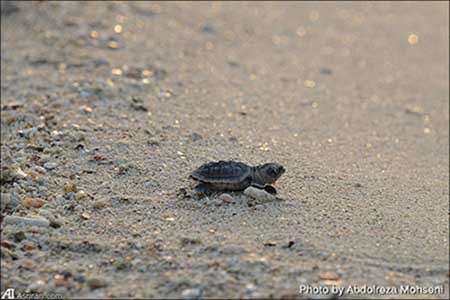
[268,188]
[257,185]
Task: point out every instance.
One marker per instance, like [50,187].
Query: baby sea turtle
[235,176]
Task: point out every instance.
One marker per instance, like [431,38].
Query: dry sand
[125,99]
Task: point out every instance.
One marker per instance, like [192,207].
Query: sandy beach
[106,108]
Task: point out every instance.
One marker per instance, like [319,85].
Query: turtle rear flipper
[202,189]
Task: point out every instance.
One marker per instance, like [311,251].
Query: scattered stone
[358,185]
[28,133]
[18,173]
[261,196]
[9,201]
[19,236]
[7,244]
[153,141]
[329,276]
[80,195]
[133,72]
[96,283]
[85,216]
[159,74]
[208,28]
[11,105]
[28,264]
[100,61]
[194,293]
[122,265]
[270,244]
[196,137]
[69,196]
[28,245]
[37,287]
[79,278]
[216,202]
[326,71]
[8,253]
[60,280]
[99,158]
[54,221]
[233,64]
[70,187]
[138,104]
[29,202]
[189,241]
[226,198]
[99,204]
[39,169]
[86,109]
[15,220]
[50,165]
[232,250]
[250,287]
[415,110]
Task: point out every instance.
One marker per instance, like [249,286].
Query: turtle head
[269,173]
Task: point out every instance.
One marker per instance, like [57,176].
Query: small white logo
[8,294]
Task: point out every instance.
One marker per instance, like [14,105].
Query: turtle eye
[273,172]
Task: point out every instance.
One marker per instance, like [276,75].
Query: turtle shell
[222,172]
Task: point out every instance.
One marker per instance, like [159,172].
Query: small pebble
[60,280]
[196,137]
[99,204]
[100,61]
[28,245]
[7,244]
[15,220]
[194,293]
[261,196]
[28,264]
[79,278]
[70,187]
[270,244]
[50,165]
[226,198]
[29,132]
[37,287]
[8,253]
[29,202]
[216,202]
[18,173]
[96,283]
[329,276]
[9,200]
[80,195]
[19,236]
